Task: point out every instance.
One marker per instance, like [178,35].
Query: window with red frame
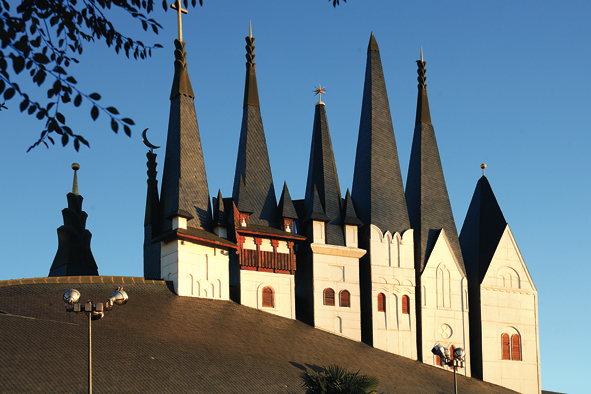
[381,302]
[329,296]
[345,299]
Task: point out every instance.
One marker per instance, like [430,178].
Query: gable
[442,252]
[507,267]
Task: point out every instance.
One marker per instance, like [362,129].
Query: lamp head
[119,297]
[439,350]
[71,296]
[459,354]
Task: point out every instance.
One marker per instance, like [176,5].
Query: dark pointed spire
[151,219]
[316,210]
[429,209]
[482,230]
[242,198]
[184,182]
[285,208]
[323,179]
[181,84]
[349,214]
[219,214]
[377,182]
[73,256]
[251,92]
[252,164]
[423,113]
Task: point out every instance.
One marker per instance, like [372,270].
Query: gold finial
[483,166]
[319,91]
[75,167]
[177,6]
[421,53]
[250,29]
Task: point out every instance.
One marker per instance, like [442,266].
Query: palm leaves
[335,380]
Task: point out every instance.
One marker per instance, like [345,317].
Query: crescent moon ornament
[146,142]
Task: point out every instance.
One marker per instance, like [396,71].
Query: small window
[329,296]
[345,299]
[515,347]
[405,305]
[381,302]
[268,298]
[505,347]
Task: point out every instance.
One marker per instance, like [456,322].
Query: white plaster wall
[337,267]
[196,270]
[392,273]
[251,287]
[510,304]
[437,316]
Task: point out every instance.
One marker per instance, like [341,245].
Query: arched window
[381,302]
[329,296]
[405,305]
[515,347]
[505,347]
[268,298]
[345,299]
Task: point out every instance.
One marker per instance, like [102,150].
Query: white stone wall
[196,270]
[393,274]
[252,284]
[509,304]
[337,267]
[444,309]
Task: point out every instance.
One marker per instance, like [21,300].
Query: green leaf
[113,110]
[18,63]
[40,58]
[95,96]
[24,104]
[127,130]
[78,100]
[65,139]
[128,121]
[2,86]
[60,117]
[76,144]
[94,112]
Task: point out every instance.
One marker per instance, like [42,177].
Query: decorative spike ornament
[75,167]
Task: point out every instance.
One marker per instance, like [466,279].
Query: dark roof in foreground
[162,343]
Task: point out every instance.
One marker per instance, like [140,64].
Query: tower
[504,334]
[262,271]
[441,303]
[387,270]
[73,256]
[327,290]
[192,256]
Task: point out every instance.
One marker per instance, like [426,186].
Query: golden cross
[177,6]
[320,90]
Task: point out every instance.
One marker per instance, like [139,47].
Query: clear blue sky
[508,85]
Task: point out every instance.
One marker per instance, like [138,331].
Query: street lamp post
[94,312]
[455,360]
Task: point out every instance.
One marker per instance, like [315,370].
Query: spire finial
[319,91]
[177,6]
[250,29]
[75,167]
[421,53]
[483,166]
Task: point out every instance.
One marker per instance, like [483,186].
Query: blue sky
[508,85]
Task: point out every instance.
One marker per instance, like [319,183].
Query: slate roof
[285,208]
[219,214]
[482,230]
[196,235]
[322,175]
[252,163]
[162,343]
[377,191]
[242,198]
[429,209]
[73,256]
[349,215]
[184,181]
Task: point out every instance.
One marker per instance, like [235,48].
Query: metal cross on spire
[179,9]
[320,90]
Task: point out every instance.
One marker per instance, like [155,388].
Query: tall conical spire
[322,173]
[75,167]
[482,230]
[184,182]
[377,182]
[252,163]
[429,209]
